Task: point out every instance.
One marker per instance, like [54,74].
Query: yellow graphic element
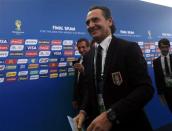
[11,74]
[54,75]
[33,60]
[33,66]
[18,24]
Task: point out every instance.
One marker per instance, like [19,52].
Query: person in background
[83,46]
[117,84]
[162,72]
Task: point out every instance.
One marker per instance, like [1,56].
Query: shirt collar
[168,55]
[105,43]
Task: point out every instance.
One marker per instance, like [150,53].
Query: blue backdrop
[35,94]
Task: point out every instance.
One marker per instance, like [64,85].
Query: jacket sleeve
[85,85]
[75,87]
[159,79]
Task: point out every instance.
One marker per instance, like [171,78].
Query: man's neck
[164,55]
[100,40]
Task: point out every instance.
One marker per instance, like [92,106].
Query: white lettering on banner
[3,41]
[34,72]
[167,34]
[31,41]
[22,73]
[69,28]
[61,28]
[67,42]
[140,43]
[43,60]
[31,47]
[3,54]
[147,50]
[2,67]
[57,53]
[71,69]
[16,47]
[62,64]
[53,60]
[44,53]
[63,74]
[152,46]
[56,47]
[127,32]
[22,61]
[54,27]
[1,80]
[10,67]
[43,72]
[34,77]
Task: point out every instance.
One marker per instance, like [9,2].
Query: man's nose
[81,51]
[91,24]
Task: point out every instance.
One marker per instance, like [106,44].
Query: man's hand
[79,119]
[100,123]
[79,67]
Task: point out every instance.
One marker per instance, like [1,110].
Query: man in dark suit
[162,71]
[116,90]
[83,46]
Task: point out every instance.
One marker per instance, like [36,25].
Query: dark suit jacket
[127,99]
[159,76]
[77,92]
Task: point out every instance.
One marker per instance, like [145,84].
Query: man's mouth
[94,31]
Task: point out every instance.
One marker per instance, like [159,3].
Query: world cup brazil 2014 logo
[18,24]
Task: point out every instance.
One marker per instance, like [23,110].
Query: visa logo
[31,47]
[3,41]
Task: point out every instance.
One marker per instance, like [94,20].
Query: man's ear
[110,21]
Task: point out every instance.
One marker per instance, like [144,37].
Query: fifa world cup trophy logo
[18,24]
[149,34]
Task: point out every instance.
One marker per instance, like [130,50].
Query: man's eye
[95,19]
[87,22]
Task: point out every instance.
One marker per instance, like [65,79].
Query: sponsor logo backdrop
[38,45]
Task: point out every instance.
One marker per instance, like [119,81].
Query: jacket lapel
[112,50]
[171,62]
[160,66]
[92,59]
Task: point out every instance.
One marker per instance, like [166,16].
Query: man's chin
[95,36]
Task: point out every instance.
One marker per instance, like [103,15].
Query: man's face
[97,25]
[82,47]
[164,49]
